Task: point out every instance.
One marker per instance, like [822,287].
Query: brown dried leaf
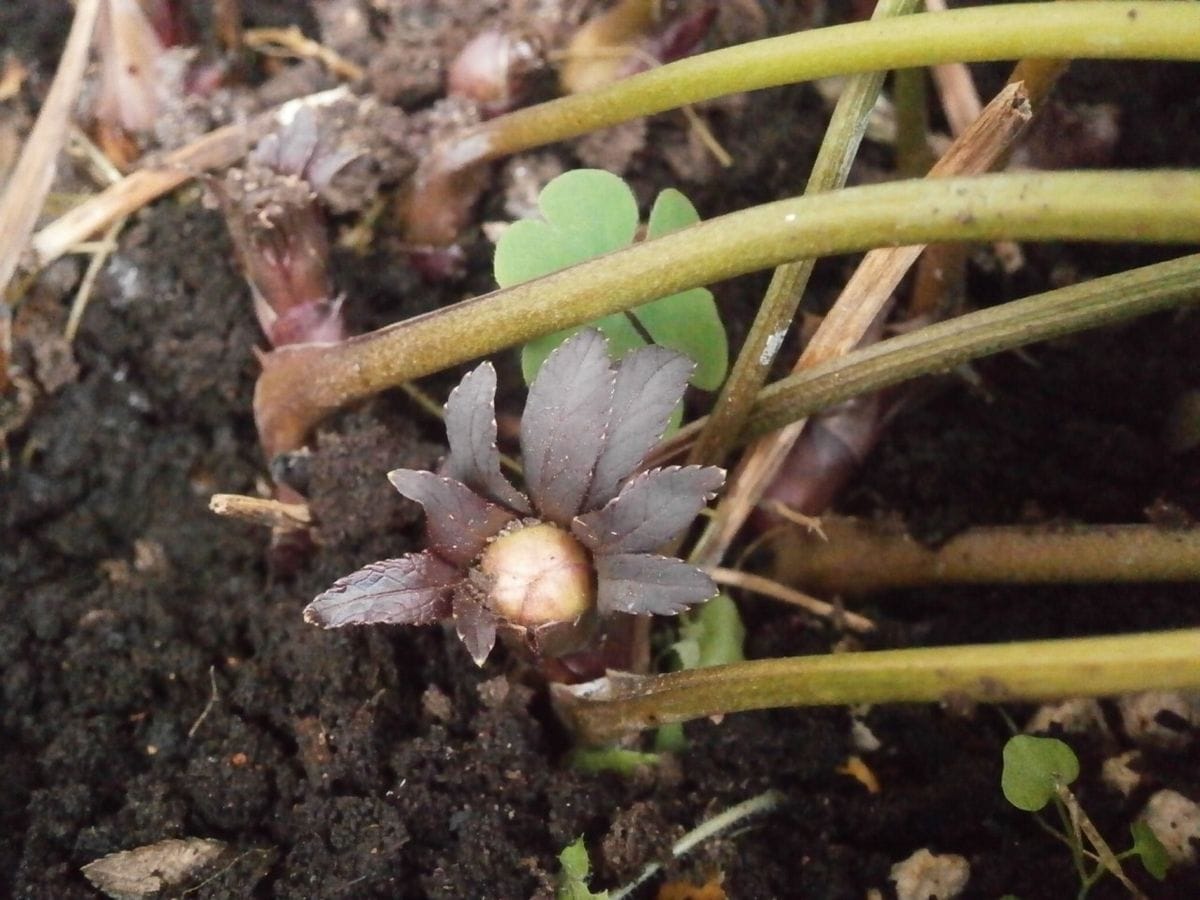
[650,382]
[153,868]
[642,584]
[650,510]
[471,430]
[458,522]
[410,590]
[565,424]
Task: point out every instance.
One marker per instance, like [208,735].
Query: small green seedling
[590,212]
[573,879]
[1036,773]
[1034,767]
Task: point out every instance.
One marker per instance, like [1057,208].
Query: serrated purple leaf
[564,427]
[650,382]
[471,431]
[476,627]
[643,585]
[651,509]
[458,522]
[411,590]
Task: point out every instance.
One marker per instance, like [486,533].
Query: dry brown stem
[757,584]
[261,511]
[30,181]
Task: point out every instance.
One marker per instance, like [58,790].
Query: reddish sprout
[130,49]
[581,545]
[493,70]
[279,231]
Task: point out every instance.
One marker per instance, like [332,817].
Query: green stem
[299,385]
[1025,671]
[778,308]
[942,346]
[1087,29]
[857,557]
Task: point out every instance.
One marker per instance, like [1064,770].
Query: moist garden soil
[158,682]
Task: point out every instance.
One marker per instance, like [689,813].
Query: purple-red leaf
[411,590]
[471,430]
[565,424]
[476,627]
[650,510]
[650,381]
[642,584]
[458,522]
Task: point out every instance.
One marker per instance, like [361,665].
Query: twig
[291,41]
[764,802]
[776,591]
[956,87]
[221,147]
[261,511]
[858,306]
[208,707]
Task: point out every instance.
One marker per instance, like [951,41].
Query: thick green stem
[778,308]
[942,346]
[1026,671]
[300,385]
[856,557]
[1087,29]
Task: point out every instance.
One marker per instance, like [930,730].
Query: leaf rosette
[581,544]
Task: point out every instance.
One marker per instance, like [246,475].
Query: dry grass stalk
[30,181]
[220,147]
[261,511]
[859,304]
[759,585]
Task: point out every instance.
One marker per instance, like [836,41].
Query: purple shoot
[582,545]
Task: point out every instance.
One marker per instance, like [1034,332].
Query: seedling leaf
[587,212]
[565,425]
[572,881]
[650,383]
[471,431]
[590,212]
[651,509]
[409,590]
[645,585]
[1149,849]
[1032,768]
[621,760]
[688,322]
[458,522]
[712,635]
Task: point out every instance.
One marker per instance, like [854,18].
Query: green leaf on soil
[594,760]
[711,635]
[1149,849]
[572,880]
[587,213]
[1033,766]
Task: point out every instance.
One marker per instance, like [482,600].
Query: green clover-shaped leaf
[573,878]
[1033,766]
[1148,848]
[590,212]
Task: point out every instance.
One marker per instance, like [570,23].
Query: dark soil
[158,683]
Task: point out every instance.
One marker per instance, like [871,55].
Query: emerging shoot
[548,567]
